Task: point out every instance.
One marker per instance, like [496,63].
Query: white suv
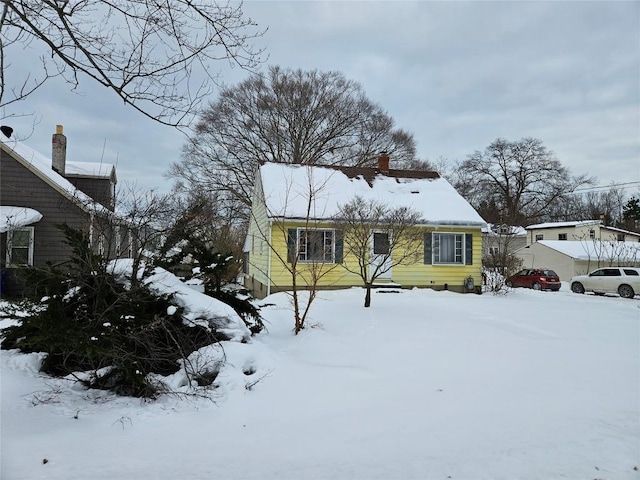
[625,281]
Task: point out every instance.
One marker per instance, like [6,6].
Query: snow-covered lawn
[422,385]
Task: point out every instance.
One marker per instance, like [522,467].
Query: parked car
[625,281]
[536,278]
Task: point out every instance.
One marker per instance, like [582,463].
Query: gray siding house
[37,193]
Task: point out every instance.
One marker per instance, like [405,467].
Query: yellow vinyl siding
[420,275]
[258,237]
[414,275]
[334,275]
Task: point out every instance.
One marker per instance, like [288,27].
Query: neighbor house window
[621,237]
[494,251]
[562,236]
[118,241]
[130,246]
[20,247]
[592,234]
[101,245]
[539,237]
[314,245]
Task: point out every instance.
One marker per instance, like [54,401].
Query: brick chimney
[58,151]
[383,162]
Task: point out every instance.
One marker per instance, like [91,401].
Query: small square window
[562,236]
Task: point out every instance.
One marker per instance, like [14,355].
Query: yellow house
[293,223]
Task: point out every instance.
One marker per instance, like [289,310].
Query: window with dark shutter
[427,248]
[292,239]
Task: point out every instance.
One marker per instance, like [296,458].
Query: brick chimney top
[383,162]
[59,151]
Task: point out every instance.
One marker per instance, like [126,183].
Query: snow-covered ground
[422,385]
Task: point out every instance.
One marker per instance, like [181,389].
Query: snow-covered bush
[110,332]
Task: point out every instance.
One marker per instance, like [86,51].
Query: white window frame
[130,246]
[31,231]
[459,248]
[118,241]
[328,256]
[539,236]
[494,251]
[101,249]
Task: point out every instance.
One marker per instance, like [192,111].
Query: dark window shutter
[292,238]
[468,249]
[339,246]
[427,248]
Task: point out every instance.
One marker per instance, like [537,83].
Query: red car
[536,278]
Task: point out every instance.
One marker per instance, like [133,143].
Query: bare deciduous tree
[379,238]
[156,56]
[290,116]
[516,182]
[307,260]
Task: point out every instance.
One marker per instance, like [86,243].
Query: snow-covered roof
[16,217]
[287,189]
[620,230]
[40,165]
[596,249]
[496,229]
[579,223]
[89,169]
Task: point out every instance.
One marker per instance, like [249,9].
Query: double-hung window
[20,247]
[321,245]
[444,248]
[448,248]
[316,246]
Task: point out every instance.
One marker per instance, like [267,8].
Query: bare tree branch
[155,55]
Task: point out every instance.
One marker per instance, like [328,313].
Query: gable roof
[497,229]
[595,249]
[287,189]
[40,166]
[580,223]
[90,170]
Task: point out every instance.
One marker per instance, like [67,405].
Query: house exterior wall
[580,232]
[509,242]
[259,236]
[333,275]
[269,271]
[538,255]
[100,189]
[20,187]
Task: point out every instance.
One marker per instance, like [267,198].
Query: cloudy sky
[456,74]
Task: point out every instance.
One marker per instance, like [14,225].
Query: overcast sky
[456,74]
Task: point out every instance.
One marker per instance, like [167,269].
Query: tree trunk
[367,297]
